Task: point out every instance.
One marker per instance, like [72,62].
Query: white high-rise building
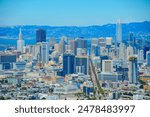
[140,55]
[44,52]
[107,66]
[35,51]
[122,52]
[20,43]
[102,42]
[68,48]
[118,33]
[129,51]
[109,41]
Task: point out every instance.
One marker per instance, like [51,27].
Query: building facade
[20,43]
[133,70]
[68,63]
[40,35]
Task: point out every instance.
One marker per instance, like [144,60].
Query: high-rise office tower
[44,52]
[95,47]
[52,41]
[62,44]
[35,51]
[101,60]
[122,52]
[72,45]
[118,33]
[108,41]
[40,35]
[132,41]
[95,41]
[20,42]
[68,48]
[108,45]
[131,38]
[68,63]
[95,50]
[140,55]
[7,60]
[56,47]
[81,64]
[80,43]
[148,58]
[107,66]
[129,51]
[102,42]
[133,70]
[145,50]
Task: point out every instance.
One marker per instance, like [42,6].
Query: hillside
[29,31]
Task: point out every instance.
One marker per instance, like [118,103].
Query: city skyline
[72,13]
[55,62]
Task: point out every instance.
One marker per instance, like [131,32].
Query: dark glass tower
[40,35]
[68,64]
[80,43]
[148,58]
[7,60]
[81,64]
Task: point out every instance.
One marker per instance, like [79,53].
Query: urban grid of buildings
[73,69]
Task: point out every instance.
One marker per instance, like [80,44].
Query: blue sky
[72,12]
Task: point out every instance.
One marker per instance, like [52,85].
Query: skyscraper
[68,63]
[148,58]
[95,50]
[95,41]
[81,64]
[107,66]
[102,58]
[52,41]
[129,51]
[123,52]
[131,38]
[72,45]
[118,33]
[132,42]
[108,41]
[108,45]
[62,44]
[80,43]
[133,70]
[140,55]
[20,42]
[7,60]
[145,50]
[44,52]
[40,35]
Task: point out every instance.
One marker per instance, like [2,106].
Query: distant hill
[29,31]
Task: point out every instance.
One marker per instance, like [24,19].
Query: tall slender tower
[44,52]
[68,63]
[20,42]
[133,70]
[118,33]
[148,58]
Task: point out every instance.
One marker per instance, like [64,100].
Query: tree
[141,87]
[2,98]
